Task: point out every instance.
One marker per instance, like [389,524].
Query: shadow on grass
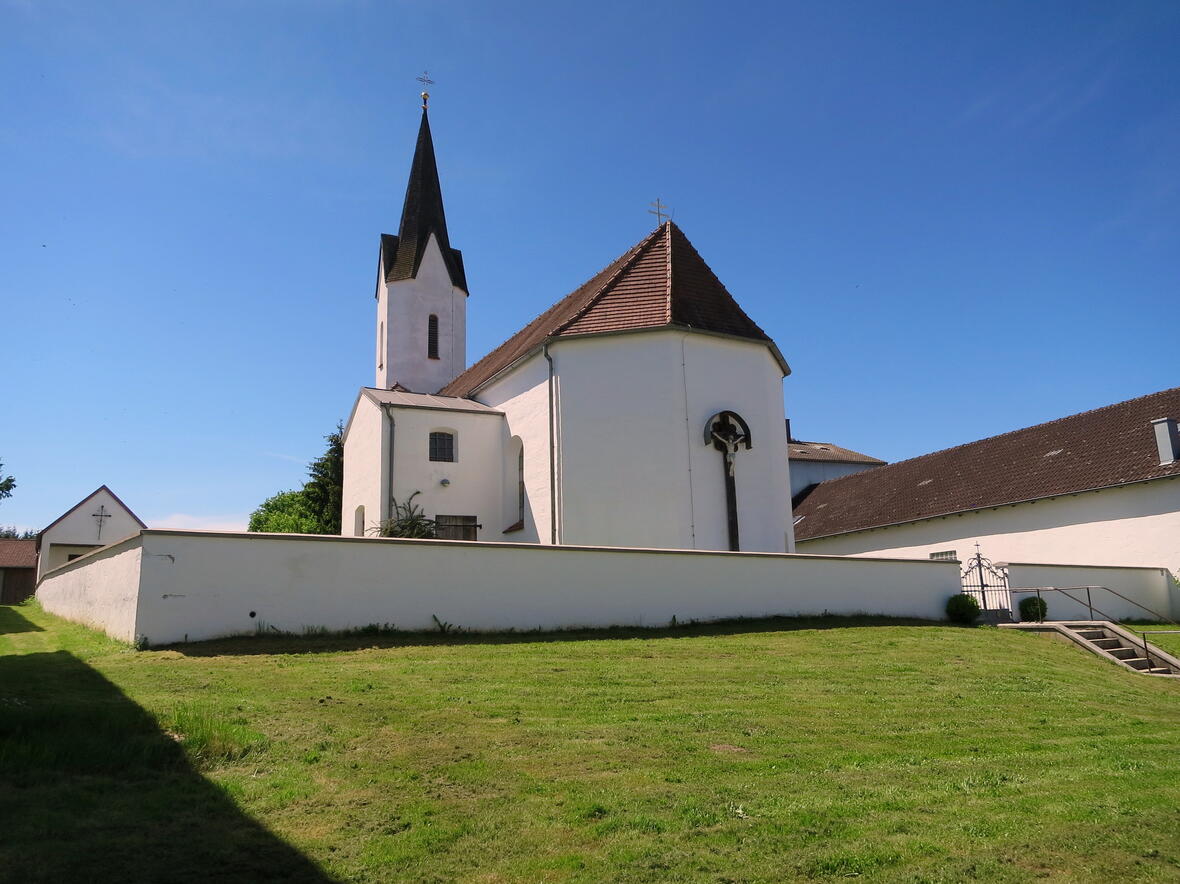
[327,643]
[12,620]
[92,790]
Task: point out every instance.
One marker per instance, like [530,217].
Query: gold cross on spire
[425,81]
[659,212]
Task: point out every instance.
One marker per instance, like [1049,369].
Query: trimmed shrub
[1033,608]
[962,608]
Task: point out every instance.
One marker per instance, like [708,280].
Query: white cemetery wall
[208,584]
[100,590]
[1144,588]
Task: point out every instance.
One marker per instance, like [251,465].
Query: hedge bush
[962,608]
[1033,608]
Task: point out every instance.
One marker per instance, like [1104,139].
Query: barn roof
[1103,448]
[16,553]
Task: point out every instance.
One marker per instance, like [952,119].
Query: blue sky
[955,219]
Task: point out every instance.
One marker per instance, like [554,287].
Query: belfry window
[442,446]
[432,337]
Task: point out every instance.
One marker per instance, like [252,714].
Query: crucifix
[425,81]
[726,431]
[99,516]
[658,211]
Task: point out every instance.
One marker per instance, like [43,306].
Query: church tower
[421,287]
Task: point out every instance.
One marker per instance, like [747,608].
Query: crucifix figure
[99,516]
[726,431]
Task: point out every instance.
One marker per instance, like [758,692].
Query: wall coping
[1078,565]
[527,548]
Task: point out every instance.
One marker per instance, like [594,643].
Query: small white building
[1097,488]
[96,520]
[644,409]
[815,462]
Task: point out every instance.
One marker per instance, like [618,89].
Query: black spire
[422,215]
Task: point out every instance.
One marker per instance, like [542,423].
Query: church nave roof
[661,282]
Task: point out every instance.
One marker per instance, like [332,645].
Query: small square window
[442,447]
[947,555]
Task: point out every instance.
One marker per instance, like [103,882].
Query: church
[643,409]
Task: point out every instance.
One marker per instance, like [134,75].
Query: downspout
[388,409]
[552,454]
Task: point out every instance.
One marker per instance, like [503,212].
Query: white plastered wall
[1127,593]
[403,309]
[200,585]
[812,472]
[1133,525]
[523,397]
[475,476]
[100,590]
[633,466]
[365,454]
[78,531]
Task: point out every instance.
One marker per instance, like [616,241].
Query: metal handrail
[1089,603]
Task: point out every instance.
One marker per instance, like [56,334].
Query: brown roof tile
[828,452]
[18,553]
[660,282]
[1102,448]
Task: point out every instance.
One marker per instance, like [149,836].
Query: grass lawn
[757,751]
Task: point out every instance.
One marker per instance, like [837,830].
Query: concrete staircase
[1110,641]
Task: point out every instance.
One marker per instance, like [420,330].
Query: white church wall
[473,479]
[78,531]
[206,584]
[1133,525]
[404,307]
[1137,589]
[100,590]
[365,458]
[741,376]
[623,467]
[523,396]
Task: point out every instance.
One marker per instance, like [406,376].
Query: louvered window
[432,337]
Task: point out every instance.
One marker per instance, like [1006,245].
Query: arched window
[520,487]
[442,446]
[432,337]
[358,524]
[381,344]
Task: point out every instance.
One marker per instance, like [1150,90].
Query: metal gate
[986,583]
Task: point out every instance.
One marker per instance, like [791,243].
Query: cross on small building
[659,212]
[99,516]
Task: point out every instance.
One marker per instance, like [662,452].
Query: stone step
[1107,643]
[1160,670]
[1123,653]
[1091,633]
[1138,662]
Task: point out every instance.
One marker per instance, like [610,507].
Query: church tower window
[442,446]
[520,496]
[432,337]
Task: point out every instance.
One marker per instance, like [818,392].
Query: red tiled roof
[828,452]
[660,282]
[18,553]
[1102,448]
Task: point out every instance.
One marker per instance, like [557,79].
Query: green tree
[408,520]
[285,513]
[314,508]
[7,483]
[325,484]
[10,532]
